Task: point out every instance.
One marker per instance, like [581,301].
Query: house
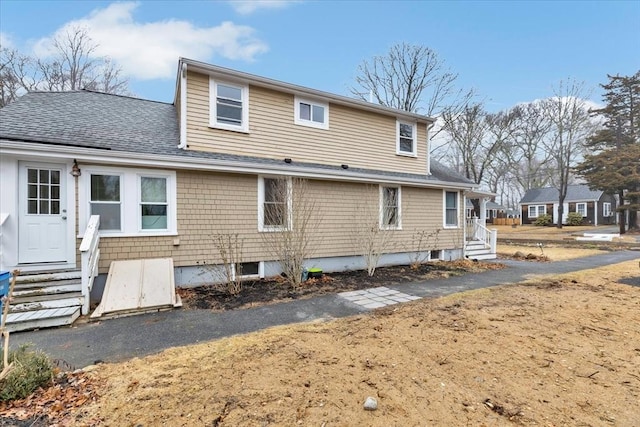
[596,207]
[163,180]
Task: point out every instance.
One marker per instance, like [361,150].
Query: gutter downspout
[429,151]
[183,107]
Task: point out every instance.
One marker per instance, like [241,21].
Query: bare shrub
[230,247]
[371,237]
[422,240]
[290,217]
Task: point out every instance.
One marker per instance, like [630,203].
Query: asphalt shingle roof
[118,123]
[575,193]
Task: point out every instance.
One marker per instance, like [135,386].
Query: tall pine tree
[614,163]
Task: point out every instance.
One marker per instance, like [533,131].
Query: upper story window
[274,204]
[451,209]
[581,208]
[537,210]
[229,106]
[130,202]
[390,203]
[406,139]
[311,113]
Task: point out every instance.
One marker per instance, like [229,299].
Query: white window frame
[213,106]
[259,275]
[536,210]
[140,203]
[120,203]
[444,209]
[581,204]
[261,193]
[131,225]
[303,122]
[414,135]
[606,209]
[381,206]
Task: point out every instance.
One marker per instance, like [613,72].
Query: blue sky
[509,52]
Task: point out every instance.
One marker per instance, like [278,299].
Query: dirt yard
[559,351]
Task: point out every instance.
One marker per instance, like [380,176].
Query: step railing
[478,231]
[89,259]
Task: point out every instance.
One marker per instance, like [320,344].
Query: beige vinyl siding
[214,203]
[355,137]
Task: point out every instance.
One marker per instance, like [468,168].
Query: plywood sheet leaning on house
[138,286]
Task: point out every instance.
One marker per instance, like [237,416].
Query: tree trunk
[621,215]
[560,211]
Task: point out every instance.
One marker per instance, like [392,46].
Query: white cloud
[151,50]
[246,7]
[6,42]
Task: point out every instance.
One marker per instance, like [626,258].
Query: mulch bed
[272,290]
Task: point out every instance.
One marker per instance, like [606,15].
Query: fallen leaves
[69,391]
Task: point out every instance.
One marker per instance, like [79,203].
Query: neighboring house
[596,207]
[167,178]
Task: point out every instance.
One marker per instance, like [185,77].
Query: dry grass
[554,253]
[532,232]
[553,351]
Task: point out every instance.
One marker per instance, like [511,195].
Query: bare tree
[570,125]
[410,78]
[290,218]
[17,75]
[529,156]
[73,65]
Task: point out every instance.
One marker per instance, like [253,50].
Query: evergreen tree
[614,164]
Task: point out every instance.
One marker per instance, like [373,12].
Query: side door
[42,221]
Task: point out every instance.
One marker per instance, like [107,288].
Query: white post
[494,240]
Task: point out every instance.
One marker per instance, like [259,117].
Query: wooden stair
[45,300]
[478,250]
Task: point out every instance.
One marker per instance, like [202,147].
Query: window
[406,142]
[390,208]
[606,209]
[248,270]
[537,210]
[581,208]
[450,208]
[153,203]
[105,201]
[229,106]
[274,209]
[311,113]
[130,202]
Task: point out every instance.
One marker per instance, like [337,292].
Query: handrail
[480,232]
[89,259]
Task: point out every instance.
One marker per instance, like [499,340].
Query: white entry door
[42,223]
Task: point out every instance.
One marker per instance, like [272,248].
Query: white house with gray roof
[164,179]
[596,207]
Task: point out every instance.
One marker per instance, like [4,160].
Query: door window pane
[43,189]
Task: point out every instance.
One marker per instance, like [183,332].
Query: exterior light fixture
[75,170]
